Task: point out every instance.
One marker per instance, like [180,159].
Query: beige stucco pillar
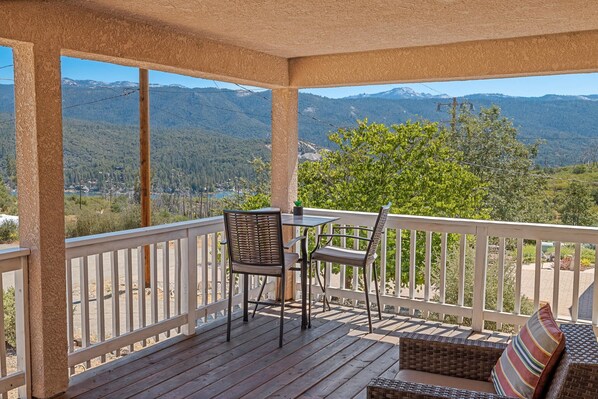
[41,210]
[285,145]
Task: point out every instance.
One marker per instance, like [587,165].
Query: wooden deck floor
[336,358]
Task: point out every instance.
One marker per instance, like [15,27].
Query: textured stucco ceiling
[297,28]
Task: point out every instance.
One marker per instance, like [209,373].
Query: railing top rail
[472,226]
[13,253]
[141,232]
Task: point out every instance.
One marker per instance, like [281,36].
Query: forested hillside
[566,123]
[101,155]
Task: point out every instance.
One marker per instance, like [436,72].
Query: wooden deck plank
[306,357]
[205,349]
[126,365]
[219,353]
[322,371]
[219,379]
[336,358]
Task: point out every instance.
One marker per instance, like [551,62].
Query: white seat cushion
[423,377]
[289,260]
[343,256]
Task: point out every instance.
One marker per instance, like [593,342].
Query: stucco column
[285,145]
[38,106]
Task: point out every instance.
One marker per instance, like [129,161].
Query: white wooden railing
[110,308]
[494,253]
[14,364]
[447,265]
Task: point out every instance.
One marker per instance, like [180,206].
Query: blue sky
[577,84]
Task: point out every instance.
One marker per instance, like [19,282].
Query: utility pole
[453,105]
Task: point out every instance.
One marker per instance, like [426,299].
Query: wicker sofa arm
[382,388]
[455,357]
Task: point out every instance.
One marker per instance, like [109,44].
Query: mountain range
[566,124]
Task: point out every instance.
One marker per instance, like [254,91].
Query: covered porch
[68,316]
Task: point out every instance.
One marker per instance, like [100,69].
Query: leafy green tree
[504,164]
[410,165]
[252,193]
[575,205]
[8,203]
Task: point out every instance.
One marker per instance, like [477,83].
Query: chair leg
[309,282]
[323,287]
[245,297]
[283,286]
[230,305]
[367,297]
[377,290]
[259,296]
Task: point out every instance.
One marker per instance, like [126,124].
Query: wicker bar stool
[325,252]
[255,247]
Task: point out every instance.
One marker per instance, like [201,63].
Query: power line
[127,93]
[6,66]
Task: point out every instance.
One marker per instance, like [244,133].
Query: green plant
[298,203]
[9,232]
[10,323]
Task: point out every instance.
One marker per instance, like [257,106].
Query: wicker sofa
[576,375]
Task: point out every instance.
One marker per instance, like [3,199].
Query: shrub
[579,170]
[9,232]
[452,286]
[10,312]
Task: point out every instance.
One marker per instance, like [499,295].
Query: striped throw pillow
[525,365]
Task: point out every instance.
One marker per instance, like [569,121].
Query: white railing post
[189,283]
[479,278]
[22,326]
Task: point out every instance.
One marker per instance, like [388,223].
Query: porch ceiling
[290,28]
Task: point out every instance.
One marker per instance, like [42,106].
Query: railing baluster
[115,298]
[166,282]
[83,287]
[557,275]
[595,299]
[501,278]
[576,275]
[101,315]
[537,274]
[189,284]
[461,273]
[479,279]
[518,270]
[69,308]
[214,264]
[442,287]
[427,269]
[398,265]
[355,269]
[141,289]
[178,295]
[382,276]
[328,272]
[342,283]
[154,285]
[223,265]
[129,292]
[412,269]
[205,272]
[2,336]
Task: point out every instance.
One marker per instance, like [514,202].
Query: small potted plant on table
[298,208]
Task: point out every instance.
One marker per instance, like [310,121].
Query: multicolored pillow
[524,367]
